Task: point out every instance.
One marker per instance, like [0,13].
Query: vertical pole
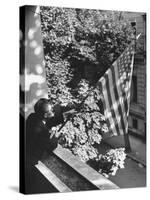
[126,135]
[133,24]
[127,141]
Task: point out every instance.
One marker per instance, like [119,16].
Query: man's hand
[54,134]
[69,113]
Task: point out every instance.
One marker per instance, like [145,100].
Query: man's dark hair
[41,106]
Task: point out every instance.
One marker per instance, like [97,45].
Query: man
[38,126]
[39,141]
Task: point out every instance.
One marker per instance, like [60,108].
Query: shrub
[79,46]
[111,161]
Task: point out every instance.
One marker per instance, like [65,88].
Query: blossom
[111,161]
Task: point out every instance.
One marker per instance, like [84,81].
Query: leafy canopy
[79,46]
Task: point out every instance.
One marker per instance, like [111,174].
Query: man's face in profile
[48,111]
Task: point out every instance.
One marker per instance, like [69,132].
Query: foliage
[77,38]
[86,127]
[79,46]
[57,77]
[111,161]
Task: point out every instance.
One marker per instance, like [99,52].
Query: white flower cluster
[85,152]
[81,133]
[112,161]
[83,87]
[84,130]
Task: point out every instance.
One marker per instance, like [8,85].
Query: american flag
[115,86]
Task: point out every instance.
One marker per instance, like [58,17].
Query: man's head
[43,108]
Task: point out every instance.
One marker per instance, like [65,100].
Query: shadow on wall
[32,73]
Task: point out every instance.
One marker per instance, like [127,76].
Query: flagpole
[126,135]
[127,143]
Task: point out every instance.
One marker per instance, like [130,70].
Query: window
[135,123]
[134,89]
[133,24]
[145,130]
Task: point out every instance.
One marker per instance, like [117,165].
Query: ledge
[52,178]
[92,178]
[83,169]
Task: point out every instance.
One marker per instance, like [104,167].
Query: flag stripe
[121,98]
[115,103]
[111,99]
[129,91]
[118,94]
[123,94]
[107,108]
[116,84]
[100,85]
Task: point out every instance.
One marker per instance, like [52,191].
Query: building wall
[137,118]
